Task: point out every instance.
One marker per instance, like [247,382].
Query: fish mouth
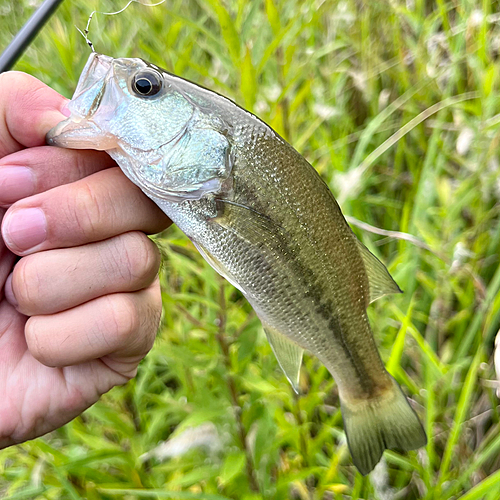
[74,134]
[79,131]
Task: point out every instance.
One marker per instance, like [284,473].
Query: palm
[38,398]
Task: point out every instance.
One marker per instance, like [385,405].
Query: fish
[264,219]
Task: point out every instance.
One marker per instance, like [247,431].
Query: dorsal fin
[288,354]
[380,281]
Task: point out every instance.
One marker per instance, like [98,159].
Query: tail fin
[385,422]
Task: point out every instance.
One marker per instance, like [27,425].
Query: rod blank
[27,33]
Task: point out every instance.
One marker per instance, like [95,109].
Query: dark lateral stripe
[314,290]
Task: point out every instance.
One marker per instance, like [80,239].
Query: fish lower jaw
[79,133]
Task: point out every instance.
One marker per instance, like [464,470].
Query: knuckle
[134,320]
[13,80]
[80,163]
[88,161]
[87,210]
[39,349]
[152,314]
[17,83]
[141,259]
[123,319]
[27,283]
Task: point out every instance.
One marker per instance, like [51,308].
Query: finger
[28,110]
[35,170]
[96,208]
[7,259]
[56,280]
[121,325]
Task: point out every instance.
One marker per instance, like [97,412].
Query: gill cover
[167,139]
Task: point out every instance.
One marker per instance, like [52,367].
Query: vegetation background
[397,105]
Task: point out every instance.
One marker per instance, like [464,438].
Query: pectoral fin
[288,354]
[246,222]
[380,281]
[258,230]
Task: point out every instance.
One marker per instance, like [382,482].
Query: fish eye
[147,83]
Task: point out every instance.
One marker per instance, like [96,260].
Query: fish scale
[261,215]
[318,233]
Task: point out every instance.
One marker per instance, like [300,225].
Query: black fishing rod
[27,33]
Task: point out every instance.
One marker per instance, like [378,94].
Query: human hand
[80,309]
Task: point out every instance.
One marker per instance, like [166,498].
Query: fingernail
[9,293]
[65,111]
[24,229]
[15,183]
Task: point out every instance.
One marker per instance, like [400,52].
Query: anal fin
[288,354]
[380,281]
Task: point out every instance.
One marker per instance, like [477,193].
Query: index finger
[28,110]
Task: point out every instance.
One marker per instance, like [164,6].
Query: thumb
[28,110]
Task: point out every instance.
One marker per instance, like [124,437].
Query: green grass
[381,97]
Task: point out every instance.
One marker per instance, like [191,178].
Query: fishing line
[85,32]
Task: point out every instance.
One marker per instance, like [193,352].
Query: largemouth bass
[262,217]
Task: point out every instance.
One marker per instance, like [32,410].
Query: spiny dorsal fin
[288,354]
[379,279]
